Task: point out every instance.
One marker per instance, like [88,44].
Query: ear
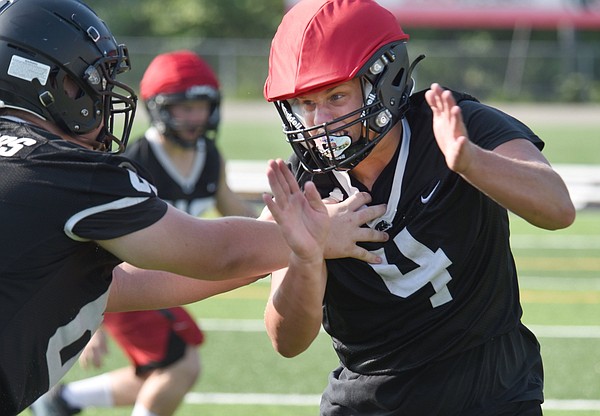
[70,87]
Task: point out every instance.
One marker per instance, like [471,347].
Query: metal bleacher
[248,178]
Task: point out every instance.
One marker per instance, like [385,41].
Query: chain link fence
[565,70]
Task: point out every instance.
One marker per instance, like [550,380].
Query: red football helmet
[322,43]
[176,77]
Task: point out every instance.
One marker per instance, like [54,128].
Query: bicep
[164,243]
[521,149]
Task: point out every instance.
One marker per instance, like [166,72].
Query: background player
[435,329]
[182,97]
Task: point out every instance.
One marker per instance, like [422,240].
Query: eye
[307,106]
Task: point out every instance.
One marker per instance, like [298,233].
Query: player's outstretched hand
[345,220]
[347,228]
[449,128]
[302,216]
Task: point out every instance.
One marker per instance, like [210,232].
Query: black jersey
[195,193]
[448,280]
[56,199]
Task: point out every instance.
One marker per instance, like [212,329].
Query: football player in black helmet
[435,329]
[84,230]
[179,150]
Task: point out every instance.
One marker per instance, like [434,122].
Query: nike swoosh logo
[425,199]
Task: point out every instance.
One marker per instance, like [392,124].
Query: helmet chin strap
[170,134]
[181,142]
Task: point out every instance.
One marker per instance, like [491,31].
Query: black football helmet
[44,41]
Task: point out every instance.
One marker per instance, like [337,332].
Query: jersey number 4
[432,268]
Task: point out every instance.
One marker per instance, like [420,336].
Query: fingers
[356,201]
[367,214]
[365,255]
[313,197]
[277,182]
[440,100]
[280,187]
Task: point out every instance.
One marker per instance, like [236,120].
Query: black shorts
[500,378]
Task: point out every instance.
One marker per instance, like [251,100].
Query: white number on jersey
[10,145]
[432,269]
[140,184]
[88,319]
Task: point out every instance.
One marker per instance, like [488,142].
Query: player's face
[329,104]
[191,118]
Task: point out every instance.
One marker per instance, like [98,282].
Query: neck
[182,157]
[367,171]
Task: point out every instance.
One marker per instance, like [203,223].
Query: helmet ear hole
[71,88]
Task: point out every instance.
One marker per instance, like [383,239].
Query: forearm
[224,248]
[138,289]
[294,312]
[242,246]
[528,188]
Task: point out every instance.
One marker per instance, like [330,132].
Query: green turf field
[560,288]
[560,284]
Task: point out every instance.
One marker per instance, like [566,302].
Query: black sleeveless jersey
[448,280]
[194,194]
[56,199]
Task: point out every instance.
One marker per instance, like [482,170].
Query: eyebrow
[327,91]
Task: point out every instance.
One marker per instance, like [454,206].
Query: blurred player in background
[181,94]
[88,233]
[435,329]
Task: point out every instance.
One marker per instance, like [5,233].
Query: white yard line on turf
[542,331]
[558,242]
[313,400]
[560,283]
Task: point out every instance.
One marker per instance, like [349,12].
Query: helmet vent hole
[398,79]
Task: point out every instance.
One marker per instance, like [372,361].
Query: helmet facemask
[118,99]
[386,86]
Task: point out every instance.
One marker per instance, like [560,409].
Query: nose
[322,115]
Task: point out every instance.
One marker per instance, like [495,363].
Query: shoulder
[487,126]
[418,103]
[211,145]
[19,139]
[137,147]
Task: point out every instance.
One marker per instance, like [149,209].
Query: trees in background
[234,36]
[204,18]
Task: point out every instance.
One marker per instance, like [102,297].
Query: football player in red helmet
[182,97]
[435,329]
